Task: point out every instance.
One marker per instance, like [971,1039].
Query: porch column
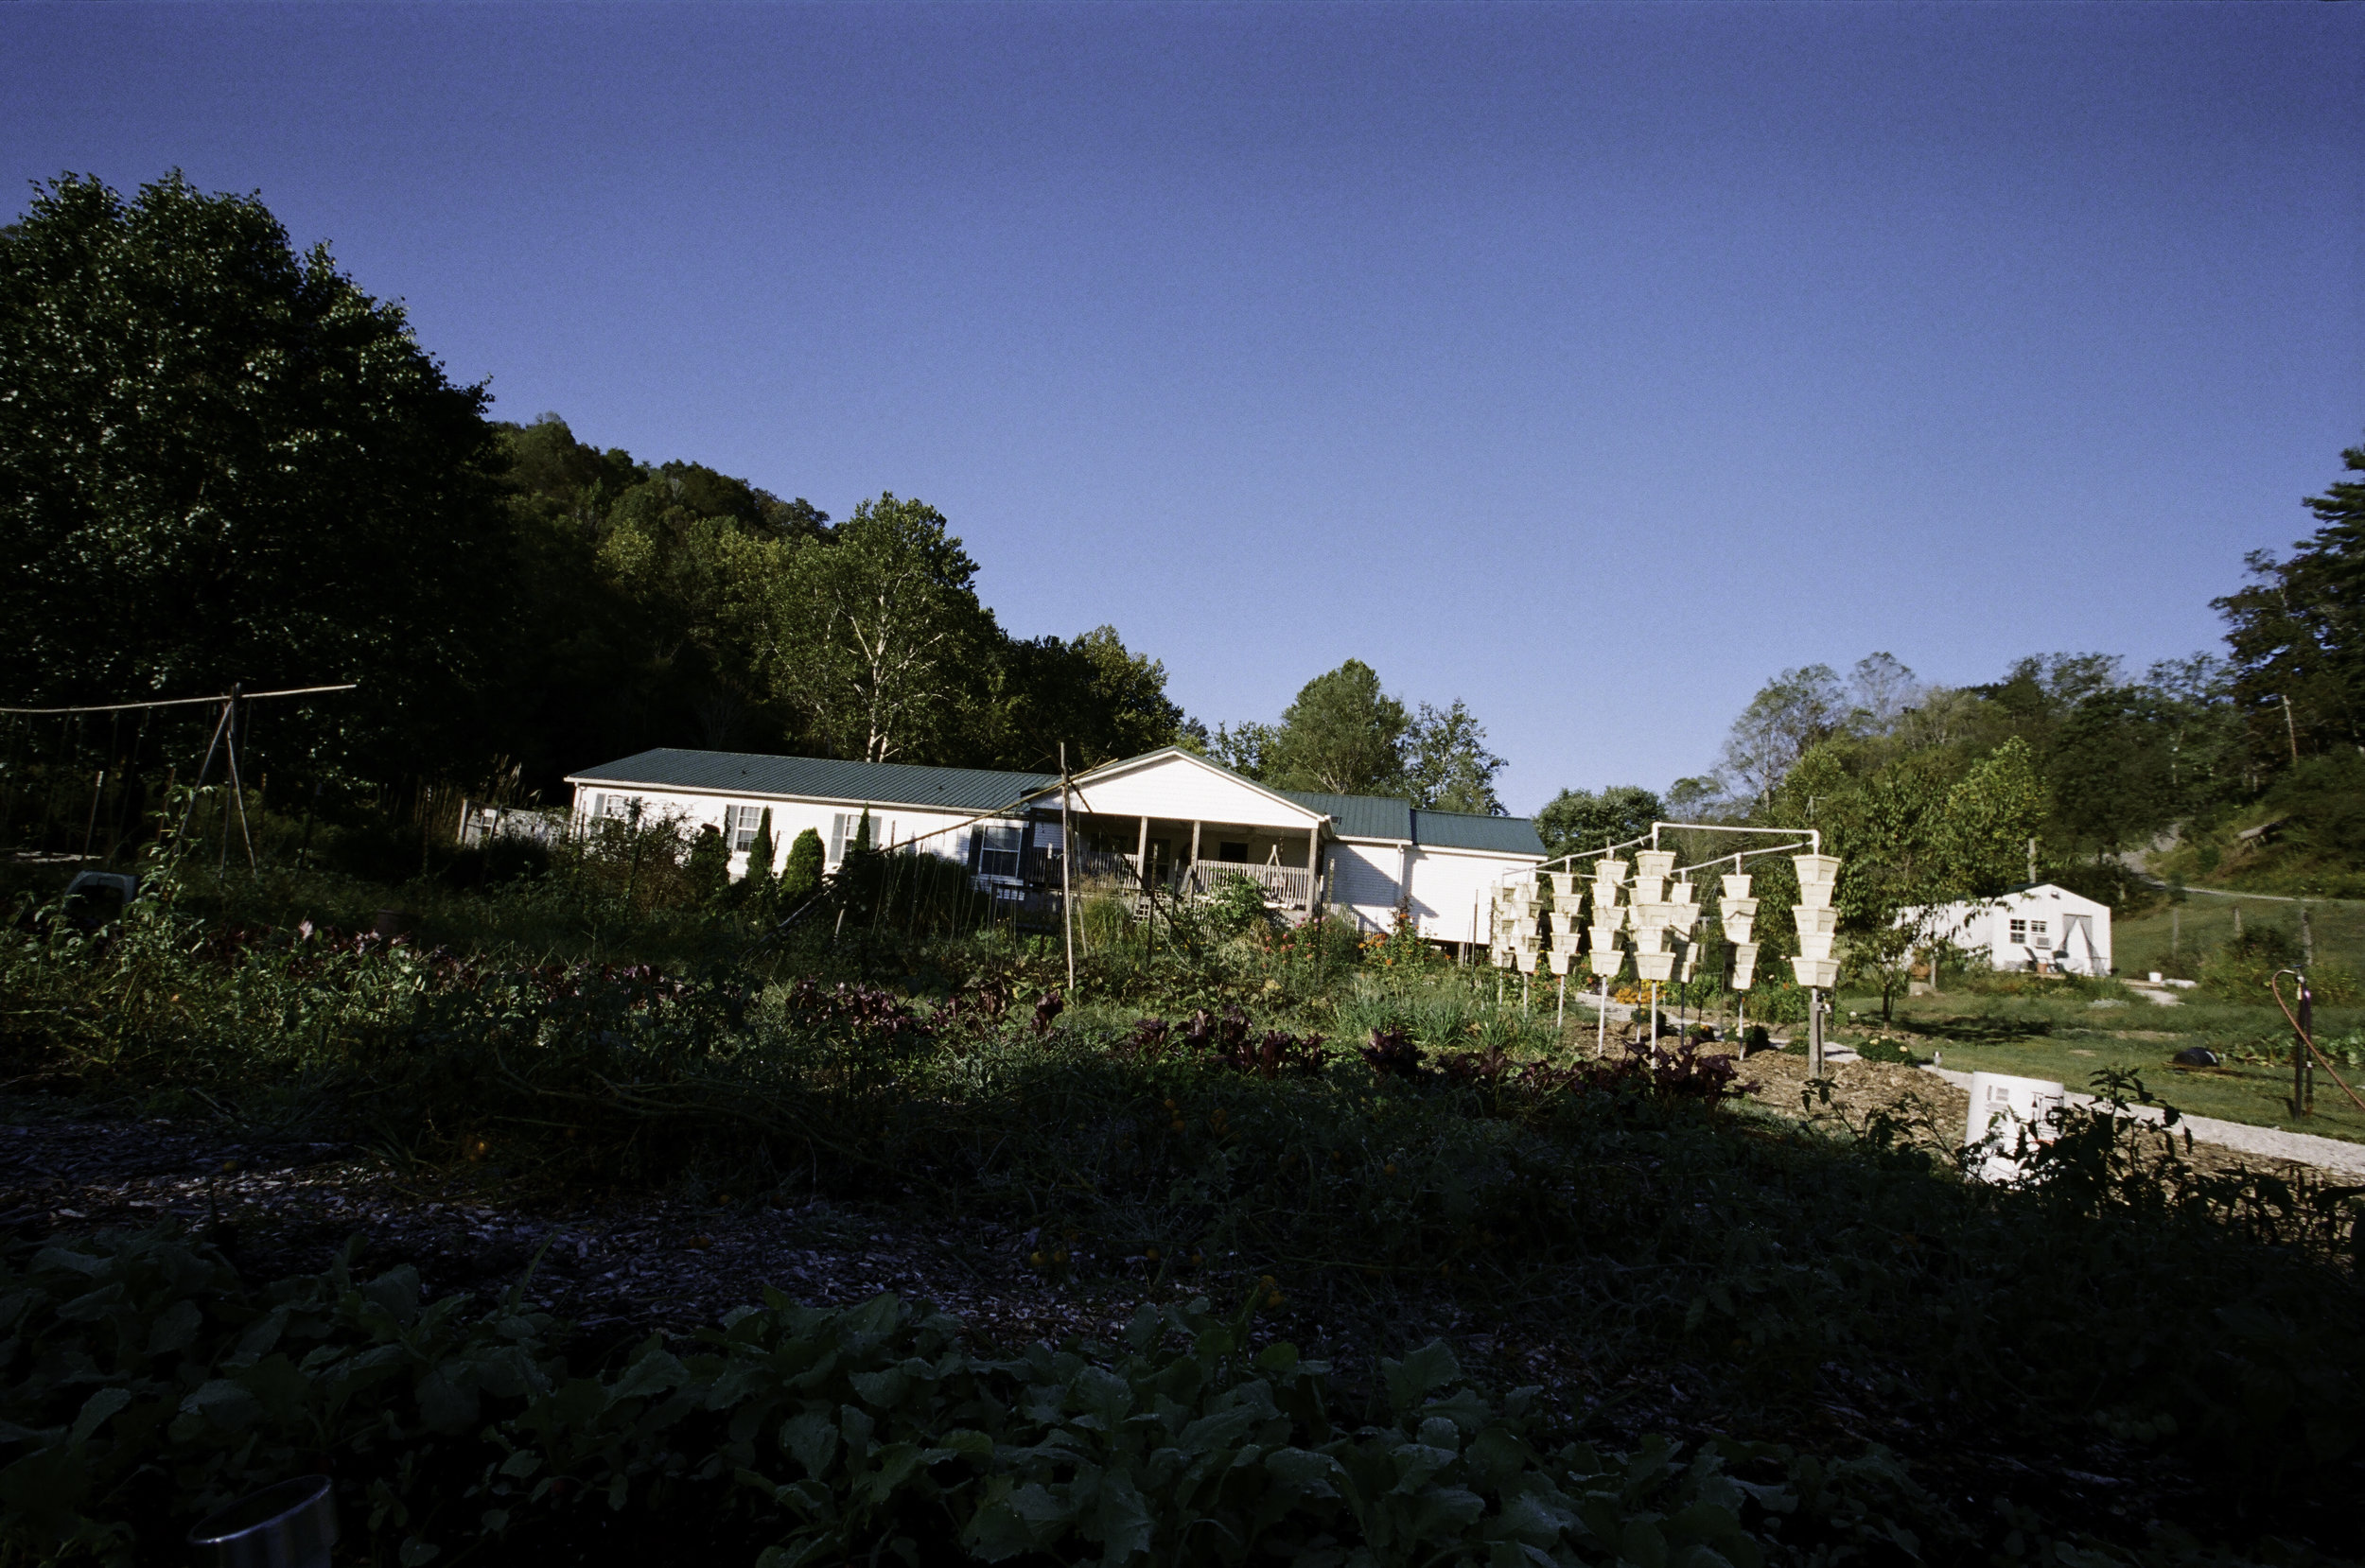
[1141,859]
[1313,868]
[1194,872]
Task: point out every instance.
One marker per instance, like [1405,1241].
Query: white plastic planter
[1736,887]
[1649,890]
[290,1524]
[1818,973]
[1605,938]
[1605,962]
[1560,962]
[1610,869]
[1739,914]
[1821,922]
[1744,965]
[1655,966]
[1655,863]
[1649,939]
[1567,884]
[1815,947]
[1817,875]
[2012,1109]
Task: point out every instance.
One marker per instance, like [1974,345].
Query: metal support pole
[2302,1069]
[1600,1024]
[1067,855]
[1814,1034]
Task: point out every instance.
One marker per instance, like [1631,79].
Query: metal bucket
[291,1524]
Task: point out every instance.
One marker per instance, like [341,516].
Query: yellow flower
[1152,1254]
[1273,1299]
[1036,1259]
[1390,1168]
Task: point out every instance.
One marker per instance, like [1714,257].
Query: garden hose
[2312,1048]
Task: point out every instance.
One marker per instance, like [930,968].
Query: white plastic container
[1814,945]
[1736,887]
[1605,962]
[1655,966]
[2010,1108]
[1567,884]
[1817,875]
[290,1524]
[1655,863]
[1744,965]
[1819,973]
[1820,919]
[1604,938]
[1610,869]
[1683,893]
[1561,961]
[1739,914]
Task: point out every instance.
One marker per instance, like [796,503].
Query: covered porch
[1188,857]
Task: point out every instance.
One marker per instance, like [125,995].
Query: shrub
[147,1384]
[802,878]
[1236,904]
[2242,967]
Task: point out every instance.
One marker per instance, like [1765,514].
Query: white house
[2040,925]
[1169,817]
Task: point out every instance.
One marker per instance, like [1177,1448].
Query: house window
[998,856]
[2020,930]
[740,829]
[2036,933]
[619,808]
[1232,854]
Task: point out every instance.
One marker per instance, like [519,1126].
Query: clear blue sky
[1587,363]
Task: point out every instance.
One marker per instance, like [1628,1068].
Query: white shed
[2037,927]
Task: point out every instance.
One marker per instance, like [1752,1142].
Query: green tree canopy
[1447,765]
[2297,633]
[1342,736]
[1578,820]
[876,634]
[222,461]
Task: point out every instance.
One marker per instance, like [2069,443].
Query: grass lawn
[2172,939]
[2070,1040]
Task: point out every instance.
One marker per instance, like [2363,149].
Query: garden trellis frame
[1809,840]
[223,741]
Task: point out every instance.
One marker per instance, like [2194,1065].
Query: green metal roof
[819,778]
[985,789]
[1358,816]
[1464,830]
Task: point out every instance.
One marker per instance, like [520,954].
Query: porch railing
[1288,885]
